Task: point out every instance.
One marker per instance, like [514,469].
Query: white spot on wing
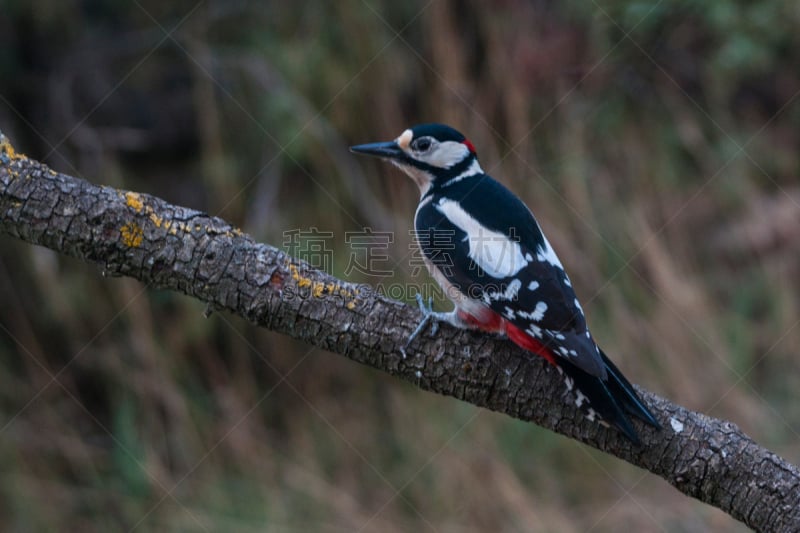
[533,285]
[534,330]
[510,292]
[677,425]
[495,253]
[548,255]
[536,315]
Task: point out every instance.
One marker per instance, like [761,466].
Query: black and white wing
[499,256]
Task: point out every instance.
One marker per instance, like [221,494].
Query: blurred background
[657,142]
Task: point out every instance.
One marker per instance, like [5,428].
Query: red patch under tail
[494,323]
[527,342]
[489,321]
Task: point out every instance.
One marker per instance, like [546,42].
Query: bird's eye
[422,144]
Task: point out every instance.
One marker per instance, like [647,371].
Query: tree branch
[172,247]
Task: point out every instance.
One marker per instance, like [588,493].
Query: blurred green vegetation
[657,143]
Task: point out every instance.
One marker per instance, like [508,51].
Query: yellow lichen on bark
[318,288]
[8,156]
[134,201]
[7,150]
[132,235]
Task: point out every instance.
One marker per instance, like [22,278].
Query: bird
[487,251]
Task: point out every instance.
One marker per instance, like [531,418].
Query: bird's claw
[428,316]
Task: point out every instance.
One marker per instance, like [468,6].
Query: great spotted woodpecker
[486,250]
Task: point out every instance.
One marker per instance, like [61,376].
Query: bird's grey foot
[429,316]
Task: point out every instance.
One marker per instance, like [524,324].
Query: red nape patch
[469,145]
[526,342]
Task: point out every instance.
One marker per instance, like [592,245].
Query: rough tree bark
[172,247]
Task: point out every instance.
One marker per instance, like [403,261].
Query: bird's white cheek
[448,154]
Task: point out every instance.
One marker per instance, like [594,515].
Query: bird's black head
[428,153]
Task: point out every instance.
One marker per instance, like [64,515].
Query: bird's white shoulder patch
[495,253]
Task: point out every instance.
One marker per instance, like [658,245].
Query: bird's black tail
[611,400]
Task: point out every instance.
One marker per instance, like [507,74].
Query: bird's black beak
[386,150]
